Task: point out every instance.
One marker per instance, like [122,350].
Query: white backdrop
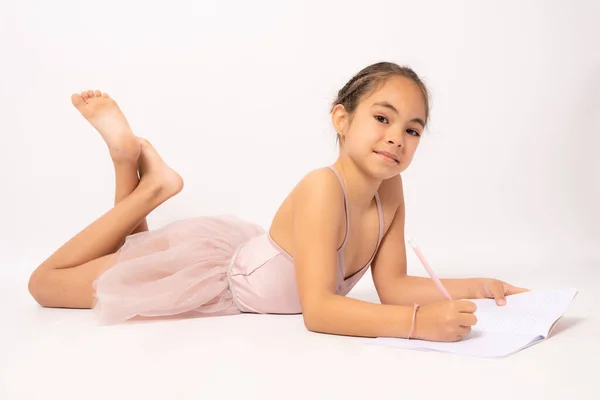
[235,96]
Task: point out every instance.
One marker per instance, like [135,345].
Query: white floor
[63,354]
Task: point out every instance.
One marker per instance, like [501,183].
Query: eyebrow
[391,107]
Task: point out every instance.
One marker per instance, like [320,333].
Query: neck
[361,187]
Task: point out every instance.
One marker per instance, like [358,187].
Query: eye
[414,133]
[380,117]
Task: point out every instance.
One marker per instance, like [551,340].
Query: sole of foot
[104,114]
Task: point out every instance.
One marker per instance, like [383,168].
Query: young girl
[335,224]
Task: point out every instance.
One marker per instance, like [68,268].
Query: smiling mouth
[388,156]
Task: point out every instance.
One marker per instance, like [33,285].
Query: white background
[235,96]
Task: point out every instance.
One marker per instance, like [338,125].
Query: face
[385,131]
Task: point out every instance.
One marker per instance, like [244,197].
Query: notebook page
[479,344]
[530,313]
[498,331]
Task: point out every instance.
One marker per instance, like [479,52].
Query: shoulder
[317,215]
[320,185]
[318,206]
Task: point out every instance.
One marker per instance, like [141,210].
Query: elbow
[311,322]
[315,315]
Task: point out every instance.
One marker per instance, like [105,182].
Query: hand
[448,321]
[487,288]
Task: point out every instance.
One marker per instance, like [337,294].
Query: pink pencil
[432,274]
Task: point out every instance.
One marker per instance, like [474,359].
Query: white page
[530,313]
[479,344]
[500,330]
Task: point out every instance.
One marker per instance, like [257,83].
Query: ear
[339,119]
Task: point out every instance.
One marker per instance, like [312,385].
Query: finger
[510,289]
[466,306]
[462,332]
[498,293]
[467,320]
[465,330]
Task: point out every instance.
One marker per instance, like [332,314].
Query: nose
[396,141]
[395,138]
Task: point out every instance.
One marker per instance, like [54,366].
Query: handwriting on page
[508,321]
[527,313]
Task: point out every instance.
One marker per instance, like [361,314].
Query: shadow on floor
[564,324]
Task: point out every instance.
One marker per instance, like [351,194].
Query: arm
[393,284]
[318,213]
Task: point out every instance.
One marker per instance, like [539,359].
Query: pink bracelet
[412,327]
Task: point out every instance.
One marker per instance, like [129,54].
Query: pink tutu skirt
[180,268]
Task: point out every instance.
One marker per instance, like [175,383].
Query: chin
[383,172]
[384,175]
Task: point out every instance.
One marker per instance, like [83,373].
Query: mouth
[389,157]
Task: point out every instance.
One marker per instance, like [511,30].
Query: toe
[90,93]
[98,93]
[84,94]
[77,100]
[105,95]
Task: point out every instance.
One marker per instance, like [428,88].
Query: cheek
[364,136]
[368,132]
[409,150]
[413,145]
[362,142]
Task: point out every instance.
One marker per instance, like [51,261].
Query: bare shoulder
[316,219]
[315,204]
[321,185]
[318,199]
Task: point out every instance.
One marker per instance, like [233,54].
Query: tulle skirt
[179,269]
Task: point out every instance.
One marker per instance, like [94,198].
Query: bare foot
[156,174]
[105,115]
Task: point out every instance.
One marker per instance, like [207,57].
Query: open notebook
[526,319]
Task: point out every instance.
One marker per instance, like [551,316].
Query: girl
[335,224]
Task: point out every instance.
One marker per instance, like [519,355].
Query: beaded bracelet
[412,327]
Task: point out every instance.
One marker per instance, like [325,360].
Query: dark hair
[370,78]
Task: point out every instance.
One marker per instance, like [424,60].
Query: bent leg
[105,115]
[67,287]
[126,180]
[51,286]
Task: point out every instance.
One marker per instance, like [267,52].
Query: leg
[104,114]
[65,279]
[67,287]
[126,180]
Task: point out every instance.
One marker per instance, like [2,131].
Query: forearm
[407,290]
[342,315]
